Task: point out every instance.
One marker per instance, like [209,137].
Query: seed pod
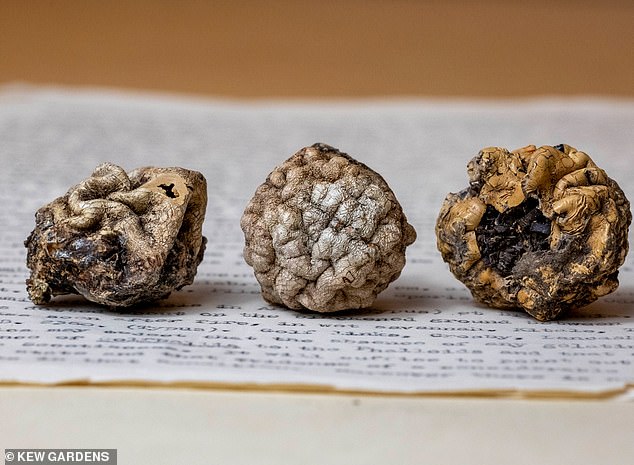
[542,229]
[325,232]
[119,239]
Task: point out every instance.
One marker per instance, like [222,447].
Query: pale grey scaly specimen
[119,238]
[325,232]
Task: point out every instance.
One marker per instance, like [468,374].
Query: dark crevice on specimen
[504,238]
[169,190]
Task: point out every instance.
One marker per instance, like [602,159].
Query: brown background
[324,48]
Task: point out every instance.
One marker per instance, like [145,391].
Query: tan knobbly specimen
[543,229]
[325,232]
[119,239]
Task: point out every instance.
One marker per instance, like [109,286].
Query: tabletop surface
[167,426]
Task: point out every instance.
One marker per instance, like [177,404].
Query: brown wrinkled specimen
[542,229]
[119,239]
[325,232]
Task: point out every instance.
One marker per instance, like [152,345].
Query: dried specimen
[119,239]
[325,232]
[542,229]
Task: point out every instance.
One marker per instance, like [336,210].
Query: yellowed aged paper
[425,335]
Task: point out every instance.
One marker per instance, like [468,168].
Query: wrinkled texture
[119,239]
[325,232]
[542,229]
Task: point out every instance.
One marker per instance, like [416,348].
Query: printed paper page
[425,334]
